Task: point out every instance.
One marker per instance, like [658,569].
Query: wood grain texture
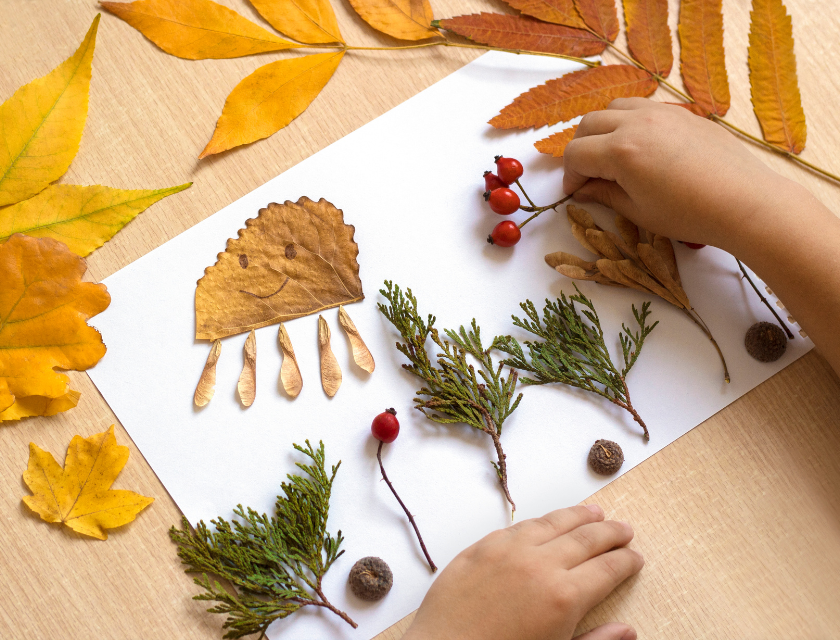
[739,520]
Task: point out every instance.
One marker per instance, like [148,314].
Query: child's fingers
[609,631]
[597,123]
[608,193]
[588,541]
[585,158]
[629,104]
[538,531]
[598,577]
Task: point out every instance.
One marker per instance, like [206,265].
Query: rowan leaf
[292,260]
[197,29]
[573,95]
[773,82]
[403,19]
[80,495]
[517,32]
[41,125]
[648,35]
[309,21]
[270,98]
[31,406]
[84,218]
[556,11]
[44,307]
[555,144]
[702,60]
[601,16]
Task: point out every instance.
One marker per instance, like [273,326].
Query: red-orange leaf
[701,54]
[518,32]
[601,16]
[775,90]
[648,35]
[555,144]
[573,95]
[556,11]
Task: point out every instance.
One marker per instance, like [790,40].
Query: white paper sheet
[411,183]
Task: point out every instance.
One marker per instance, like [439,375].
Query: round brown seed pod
[765,341]
[371,578]
[605,457]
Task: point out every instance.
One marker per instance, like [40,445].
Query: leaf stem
[628,406]
[539,210]
[700,323]
[328,605]
[764,300]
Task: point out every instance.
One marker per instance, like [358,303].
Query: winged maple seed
[633,258]
[207,383]
[330,371]
[247,386]
[289,370]
[361,354]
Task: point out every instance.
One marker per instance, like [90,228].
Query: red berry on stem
[505,234]
[385,427]
[492,181]
[509,169]
[503,201]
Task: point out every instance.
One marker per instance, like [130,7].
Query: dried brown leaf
[558,258]
[611,270]
[665,249]
[206,386]
[601,16]
[632,271]
[579,233]
[629,231]
[247,386]
[330,371]
[289,371]
[603,244]
[361,354]
[654,262]
[556,11]
[648,35]
[626,250]
[581,217]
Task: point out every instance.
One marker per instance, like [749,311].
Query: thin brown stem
[501,467]
[432,565]
[525,193]
[328,605]
[539,210]
[628,406]
[699,322]
[765,301]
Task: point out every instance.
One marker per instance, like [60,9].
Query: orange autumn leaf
[573,95]
[648,35]
[403,19]
[601,16]
[517,32]
[556,11]
[555,144]
[773,83]
[197,29]
[702,59]
[270,98]
[31,406]
[309,21]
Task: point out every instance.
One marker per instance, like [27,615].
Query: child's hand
[532,581]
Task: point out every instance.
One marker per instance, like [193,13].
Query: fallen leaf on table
[648,34]
[403,19]
[83,218]
[555,144]
[270,98]
[247,386]
[197,29]
[289,370]
[42,125]
[702,58]
[32,406]
[206,386]
[309,21]
[330,371]
[361,354]
[44,306]
[601,16]
[556,11]
[80,494]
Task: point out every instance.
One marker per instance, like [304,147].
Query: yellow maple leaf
[42,125]
[84,218]
[31,406]
[80,494]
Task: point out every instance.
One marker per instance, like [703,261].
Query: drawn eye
[243,261]
[291,252]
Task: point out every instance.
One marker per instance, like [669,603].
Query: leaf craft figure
[80,494]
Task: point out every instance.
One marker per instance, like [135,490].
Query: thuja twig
[765,301]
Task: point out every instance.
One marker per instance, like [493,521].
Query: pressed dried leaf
[626,250]
[573,95]
[361,354]
[42,125]
[628,230]
[648,35]
[270,98]
[289,371]
[581,217]
[403,19]
[571,271]
[247,385]
[632,271]
[197,29]
[330,371]
[80,494]
[299,258]
[579,233]
[773,83]
[517,32]
[557,258]
[665,249]
[603,244]
[611,270]
[654,262]
[601,16]
[556,11]
[309,21]
[555,144]
[32,406]
[84,218]
[206,386]
[702,59]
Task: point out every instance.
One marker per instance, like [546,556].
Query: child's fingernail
[630,634]
[594,508]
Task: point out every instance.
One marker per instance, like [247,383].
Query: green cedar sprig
[455,392]
[275,564]
[574,352]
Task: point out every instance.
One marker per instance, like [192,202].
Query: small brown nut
[765,341]
[605,457]
[371,578]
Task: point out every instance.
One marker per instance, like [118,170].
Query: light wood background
[739,520]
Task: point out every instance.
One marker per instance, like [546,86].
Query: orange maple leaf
[648,35]
[701,55]
[555,144]
[556,11]
[601,16]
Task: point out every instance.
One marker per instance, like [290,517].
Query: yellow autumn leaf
[80,494]
[270,98]
[309,21]
[197,29]
[32,406]
[83,218]
[42,125]
[403,19]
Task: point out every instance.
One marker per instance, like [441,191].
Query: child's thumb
[607,193]
[609,631]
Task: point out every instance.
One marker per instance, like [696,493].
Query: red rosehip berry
[505,234]
[385,427]
[509,169]
[503,201]
[693,245]
[492,181]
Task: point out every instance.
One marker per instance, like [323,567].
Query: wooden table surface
[739,520]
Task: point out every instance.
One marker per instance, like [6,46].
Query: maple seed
[247,386]
[289,370]
[361,354]
[330,371]
[206,386]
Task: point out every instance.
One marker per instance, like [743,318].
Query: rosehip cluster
[503,200]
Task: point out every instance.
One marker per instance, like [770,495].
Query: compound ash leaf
[84,218]
[42,125]
[32,406]
[573,95]
[516,32]
[556,11]
[601,16]
[648,35]
[555,144]
[292,260]
[197,29]
[270,98]
[403,19]
[773,83]
[309,21]
[80,494]
[702,60]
